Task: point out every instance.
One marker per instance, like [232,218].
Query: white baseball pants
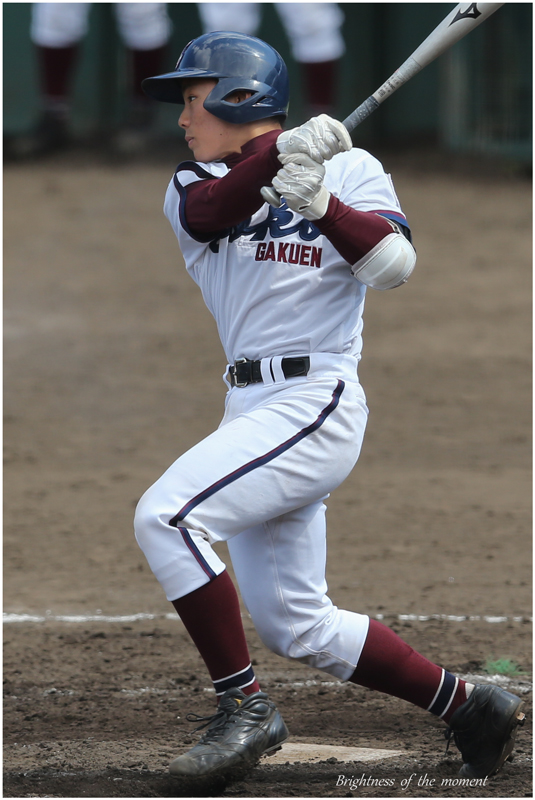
[312,28]
[142,26]
[259,482]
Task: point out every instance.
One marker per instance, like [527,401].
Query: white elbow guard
[388,264]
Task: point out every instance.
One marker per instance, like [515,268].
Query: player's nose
[183,120]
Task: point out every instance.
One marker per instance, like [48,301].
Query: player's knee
[308,635]
[158,542]
[274,639]
[145,518]
[279,636]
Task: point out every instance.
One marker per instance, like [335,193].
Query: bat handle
[271,196]
[361,113]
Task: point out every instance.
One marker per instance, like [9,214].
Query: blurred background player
[57,30]
[314,32]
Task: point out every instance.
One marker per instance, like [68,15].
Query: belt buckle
[239,385]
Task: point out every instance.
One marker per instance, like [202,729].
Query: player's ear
[238,96]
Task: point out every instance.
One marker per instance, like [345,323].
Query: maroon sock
[320,84]
[145,64]
[388,664]
[56,65]
[212,617]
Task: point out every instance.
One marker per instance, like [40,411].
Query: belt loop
[225,378]
[276,366]
[265,371]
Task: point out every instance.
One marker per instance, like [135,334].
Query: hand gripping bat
[463,19]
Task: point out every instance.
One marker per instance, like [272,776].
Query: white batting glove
[321,138]
[300,182]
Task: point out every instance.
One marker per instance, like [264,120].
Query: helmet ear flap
[257,106]
[228,97]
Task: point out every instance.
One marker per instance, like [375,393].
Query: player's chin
[192,145]
[198,151]
[205,155]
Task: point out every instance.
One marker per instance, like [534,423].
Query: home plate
[304,753]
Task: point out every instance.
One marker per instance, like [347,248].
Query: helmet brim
[167,87]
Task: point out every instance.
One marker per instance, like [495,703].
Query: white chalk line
[514,684]
[100,617]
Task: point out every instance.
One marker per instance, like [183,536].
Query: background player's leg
[145,29]
[56,31]
[241,17]
[314,31]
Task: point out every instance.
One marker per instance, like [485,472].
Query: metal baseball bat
[463,19]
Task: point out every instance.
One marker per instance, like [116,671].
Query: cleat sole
[516,721]
[272,750]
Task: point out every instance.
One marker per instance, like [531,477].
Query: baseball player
[286,286]
[57,30]
[314,31]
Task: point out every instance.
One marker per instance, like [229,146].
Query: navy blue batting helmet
[236,61]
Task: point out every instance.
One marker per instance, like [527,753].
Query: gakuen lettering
[289,253]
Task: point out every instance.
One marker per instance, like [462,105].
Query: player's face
[209,137]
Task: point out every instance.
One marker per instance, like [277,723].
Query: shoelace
[448,733]
[215,723]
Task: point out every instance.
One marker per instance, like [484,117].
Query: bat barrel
[463,19]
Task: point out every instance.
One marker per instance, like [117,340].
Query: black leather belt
[244,372]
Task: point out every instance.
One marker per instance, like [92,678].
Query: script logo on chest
[280,224]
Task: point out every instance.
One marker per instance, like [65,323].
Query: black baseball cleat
[243,729]
[484,729]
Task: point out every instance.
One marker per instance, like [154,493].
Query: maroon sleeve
[213,205]
[353,233]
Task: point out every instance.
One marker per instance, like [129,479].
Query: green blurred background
[475,99]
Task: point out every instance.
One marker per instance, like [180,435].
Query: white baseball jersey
[276,287]
[279,254]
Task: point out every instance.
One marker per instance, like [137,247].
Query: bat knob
[271,196]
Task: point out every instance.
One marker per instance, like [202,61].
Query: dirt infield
[111,370]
